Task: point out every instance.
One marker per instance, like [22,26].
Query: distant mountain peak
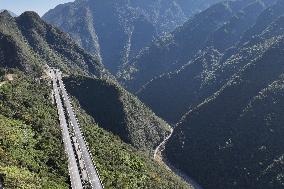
[30,14]
[8,12]
[5,13]
[30,17]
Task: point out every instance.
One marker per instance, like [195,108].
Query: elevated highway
[82,169]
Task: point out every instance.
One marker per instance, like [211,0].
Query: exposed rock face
[172,94]
[174,50]
[117,30]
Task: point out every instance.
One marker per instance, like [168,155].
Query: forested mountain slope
[210,68]
[31,151]
[118,111]
[95,25]
[31,148]
[172,51]
[29,44]
[235,136]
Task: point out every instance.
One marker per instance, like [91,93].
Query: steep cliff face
[118,30]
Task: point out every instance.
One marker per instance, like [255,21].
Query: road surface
[72,162]
[90,168]
[162,144]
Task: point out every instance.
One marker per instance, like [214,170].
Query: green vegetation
[27,43]
[118,111]
[120,165]
[31,151]
[14,51]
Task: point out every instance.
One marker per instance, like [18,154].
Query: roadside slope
[31,151]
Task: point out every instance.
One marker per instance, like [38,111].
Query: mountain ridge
[194,80]
[94,25]
[238,140]
[10,12]
[177,48]
[31,151]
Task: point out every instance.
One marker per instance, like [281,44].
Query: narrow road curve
[162,144]
[72,163]
[90,167]
[186,178]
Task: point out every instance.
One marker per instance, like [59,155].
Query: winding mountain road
[186,178]
[162,144]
